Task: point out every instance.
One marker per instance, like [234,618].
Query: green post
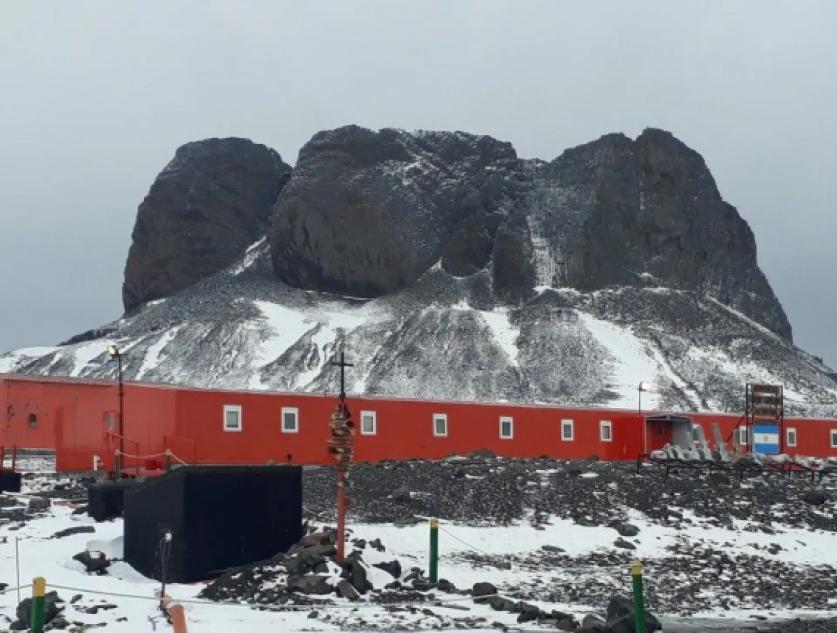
[434,550]
[37,614]
[639,599]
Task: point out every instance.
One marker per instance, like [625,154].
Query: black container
[106,500]
[9,480]
[219,517]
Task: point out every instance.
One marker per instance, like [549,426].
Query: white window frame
[788,431]
[374,416]
[230,408]
[743,436]
[286,411]
[567,423]
[444,418]
[510,420]
[833,434]
[606,424]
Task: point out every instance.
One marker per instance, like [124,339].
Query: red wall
[71,418]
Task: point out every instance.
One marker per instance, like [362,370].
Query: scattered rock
[310,584]
[815,497]
[38,504]
[393,567]
[622,543]
[345,589]
[81,529]
[620,617]
[97,564]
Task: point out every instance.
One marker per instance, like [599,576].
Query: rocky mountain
[447,267]
[209,203]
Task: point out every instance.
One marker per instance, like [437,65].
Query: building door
[658,433]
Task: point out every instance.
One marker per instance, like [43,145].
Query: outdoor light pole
[114,352]
[642,386]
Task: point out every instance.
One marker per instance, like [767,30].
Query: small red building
[79,419]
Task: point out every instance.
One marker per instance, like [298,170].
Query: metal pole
[17,567]
[639,600]
[121,406]
[36,618]
[434,550]
[341,514]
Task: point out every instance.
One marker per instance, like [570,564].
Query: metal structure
[341,445]
[115,352]
[764,419]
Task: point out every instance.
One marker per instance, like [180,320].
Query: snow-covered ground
[568,560]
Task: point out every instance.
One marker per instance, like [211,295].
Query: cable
[473,547]
[292,607]
[11,589]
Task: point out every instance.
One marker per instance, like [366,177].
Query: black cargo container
[219,517]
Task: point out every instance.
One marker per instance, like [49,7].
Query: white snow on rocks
[632,363]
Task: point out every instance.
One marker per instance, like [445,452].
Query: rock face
[209,203]
[367,213]
[472,275]
[617,212]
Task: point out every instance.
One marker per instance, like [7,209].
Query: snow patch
[633,363]
[505,334]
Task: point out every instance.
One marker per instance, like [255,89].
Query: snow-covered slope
[446,337]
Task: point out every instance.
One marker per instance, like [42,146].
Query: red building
[79,419]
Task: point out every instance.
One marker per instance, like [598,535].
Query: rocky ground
[524,543]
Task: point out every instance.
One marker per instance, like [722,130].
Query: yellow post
[639,599]
[37,614]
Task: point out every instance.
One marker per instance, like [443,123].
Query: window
[33,420]
[695,433]
[368,423]
[833,438]
[232,417]
[567,430]
[506,428]
[743,435]
[790,437]
[290,420]
[606,431]
[440,425]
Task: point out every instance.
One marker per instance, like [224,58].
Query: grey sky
[96,96]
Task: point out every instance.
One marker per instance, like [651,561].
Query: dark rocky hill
[448,267]
[209,203]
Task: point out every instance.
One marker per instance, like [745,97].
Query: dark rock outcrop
[368,212]
[203,210]
[645,212]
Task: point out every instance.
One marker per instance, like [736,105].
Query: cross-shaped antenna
[342,364]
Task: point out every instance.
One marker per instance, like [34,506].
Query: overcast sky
[96,96]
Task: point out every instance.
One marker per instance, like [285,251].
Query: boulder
[38,504]
[309,584]
[345,589]
[368,212]
[622,543]
[96,564]
[53,604]
[393,567]
[358,577]
[81,529]
[625,529]
[815,497]
[593,624]
[481,589]
[210,203]
[620,617]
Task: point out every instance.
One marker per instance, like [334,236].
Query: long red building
[79,420]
